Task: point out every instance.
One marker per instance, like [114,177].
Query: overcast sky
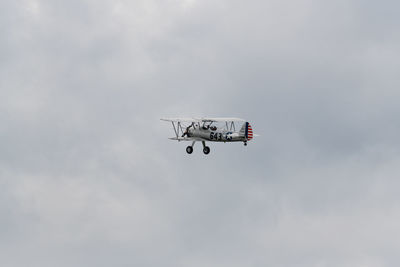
[89,178]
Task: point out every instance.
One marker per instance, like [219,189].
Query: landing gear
[245,143]
[206,149]
[189,149]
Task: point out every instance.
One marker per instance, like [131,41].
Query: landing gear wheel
[206,150]
[245,143]
[189,149]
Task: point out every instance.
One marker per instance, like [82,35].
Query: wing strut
[233,126]
[176,129]
[180,126]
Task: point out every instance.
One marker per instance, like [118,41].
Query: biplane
[210,130]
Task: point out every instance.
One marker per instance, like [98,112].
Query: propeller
[187,130]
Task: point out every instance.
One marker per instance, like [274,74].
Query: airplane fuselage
[207,134]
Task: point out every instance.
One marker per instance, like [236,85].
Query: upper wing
[180,119]
[202,119]
[221,119]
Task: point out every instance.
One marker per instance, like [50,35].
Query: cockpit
[207,125]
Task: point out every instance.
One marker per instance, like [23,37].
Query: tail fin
[246,131]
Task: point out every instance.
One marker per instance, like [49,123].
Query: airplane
[209,129]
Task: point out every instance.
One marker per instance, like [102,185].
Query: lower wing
[186,139]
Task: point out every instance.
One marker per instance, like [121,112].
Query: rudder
[247,131]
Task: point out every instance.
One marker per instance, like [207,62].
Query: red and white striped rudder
[249,131]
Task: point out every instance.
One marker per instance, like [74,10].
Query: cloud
[88,177]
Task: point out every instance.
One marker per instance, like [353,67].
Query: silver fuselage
[208,134]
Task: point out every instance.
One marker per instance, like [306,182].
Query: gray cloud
[88,177]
